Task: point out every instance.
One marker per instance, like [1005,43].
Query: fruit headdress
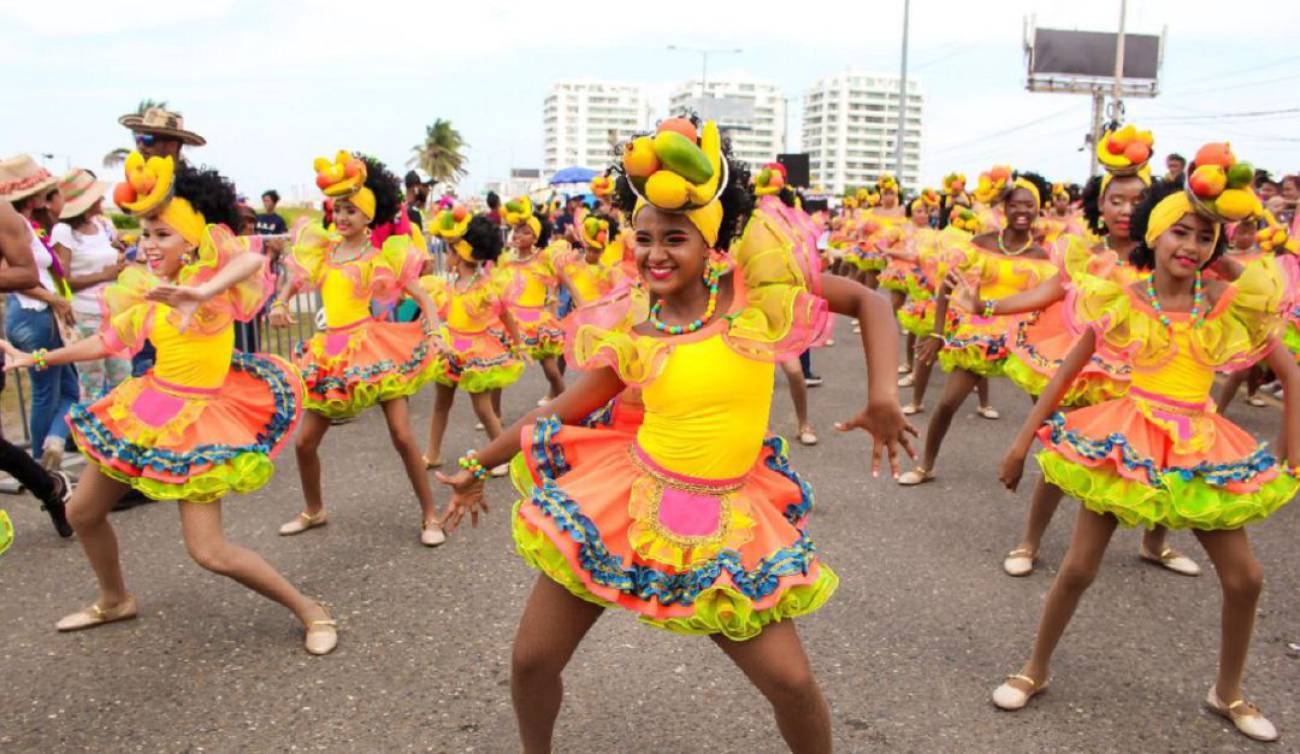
[867,197]
[594,232]
[1217,187]
[602,186]
[1124,152]
[345,178]
[954,184]
[149,190]
[993,184]
[928,198]
[770,180]
[680,169]
[1273,236]
[451,223]
[519,211]
[1060,189]
[887,182]
[964,218]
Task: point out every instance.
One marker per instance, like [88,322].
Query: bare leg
[201,526]
[983,388]
[496,404]
[920,380]
[911,350]
[871,279]
[305,447]
[553,624]
[552,371]
[1041,509]
[897,299]
[798,392]
[399,429]
[443,397]
[956,389]
[1229,391]
[1242,579]
[1092,532]
[776,663]
[482,403]
[88,513]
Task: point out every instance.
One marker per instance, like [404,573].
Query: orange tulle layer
[1039,345]
[347,370]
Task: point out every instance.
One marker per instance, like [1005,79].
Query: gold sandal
[1244,715]
[302,522]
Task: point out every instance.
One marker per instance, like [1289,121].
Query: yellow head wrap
[464,250]
[1168,211]
[523,216]
[363,200]
[707,219]
[1143,174]
[181,217]
[1027,185]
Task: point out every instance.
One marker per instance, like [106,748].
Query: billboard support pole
[902,98]
[1098,105]
[1117,102]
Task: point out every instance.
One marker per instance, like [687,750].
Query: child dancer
[1161,454]
[206,420]
[359,361]
[530,271]
[694,521]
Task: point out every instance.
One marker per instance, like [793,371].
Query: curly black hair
[608,217]
[1044,188]
[787,196]
[737,198]
[1143,256]
[547,228]
[210,193]
[1091,198]
[387,190]
[483,238]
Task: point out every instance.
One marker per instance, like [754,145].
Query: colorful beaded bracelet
[470,463]
[39,357]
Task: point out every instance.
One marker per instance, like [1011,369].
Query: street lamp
[704,54]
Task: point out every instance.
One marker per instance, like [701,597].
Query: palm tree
[441,156]
[118,156]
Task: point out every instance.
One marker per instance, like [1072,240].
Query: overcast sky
[274,84]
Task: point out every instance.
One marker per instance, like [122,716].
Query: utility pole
[704,54]
[902,98]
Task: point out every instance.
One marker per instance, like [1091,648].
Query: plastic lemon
[1236,204]
[666,189]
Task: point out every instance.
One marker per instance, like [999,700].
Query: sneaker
[812,380]
[58,508]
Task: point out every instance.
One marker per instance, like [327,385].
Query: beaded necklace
[699,322]
[1003,248]
[361,252]
[1197,299]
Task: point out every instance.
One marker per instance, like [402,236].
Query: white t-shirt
[43,260]
[90,254]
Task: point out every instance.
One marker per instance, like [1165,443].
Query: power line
[1006,131]
[1251,69]
[1233,86]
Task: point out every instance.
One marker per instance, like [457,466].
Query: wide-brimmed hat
[164,123]
[80,192]
[21,177]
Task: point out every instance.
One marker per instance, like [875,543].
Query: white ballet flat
[1173,560]
[1246,716]
[1012,698]
[1019,562]
[432,535]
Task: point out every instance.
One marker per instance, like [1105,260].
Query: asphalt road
[923,627]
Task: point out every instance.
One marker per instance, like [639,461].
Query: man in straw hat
[160,133]
[20,180]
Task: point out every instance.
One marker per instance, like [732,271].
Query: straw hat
[164,123]
[21,177]
[80,192]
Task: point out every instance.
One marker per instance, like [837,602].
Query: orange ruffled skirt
[1038,346]
[691,556]
[176,443]
[477,362]
[1137,465]
[348,369]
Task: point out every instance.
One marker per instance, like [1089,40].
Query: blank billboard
[1092,53]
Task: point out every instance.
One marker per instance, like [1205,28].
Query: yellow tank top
[338,291]
[1004,276]
[1181,378]
[190,358]
[699,425]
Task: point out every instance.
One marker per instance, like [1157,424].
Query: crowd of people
[648,478]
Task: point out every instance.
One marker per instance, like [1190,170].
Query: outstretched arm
[86,349]
[1284,366]
[1035,299]
[186,299]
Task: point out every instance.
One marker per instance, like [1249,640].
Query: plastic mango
[711,146]
[639,159]
[1236,204]
[682,156]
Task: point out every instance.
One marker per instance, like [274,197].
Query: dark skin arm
[1283,365]
[1035,299]
[19,270]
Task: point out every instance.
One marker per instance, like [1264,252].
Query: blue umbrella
[573,174]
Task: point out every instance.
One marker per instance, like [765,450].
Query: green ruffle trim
[1084,391]
[720,610]
[865,265]
[6,532]
[550,349]
[243,473]
[894,285]
[1291,339]
[367,394]
[971,359]
[918,326]
[1177,503]
[480,381]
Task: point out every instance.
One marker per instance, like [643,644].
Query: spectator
[1175,164]
[160,133]
[84,240]
[494,209]
[270,222]
[34,315]
[417,196]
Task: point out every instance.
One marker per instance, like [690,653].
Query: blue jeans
[54,390]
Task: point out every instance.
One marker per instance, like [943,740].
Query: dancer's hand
[15,358]
[928,349]
[889,431]
[466,497]
[280,316]
[964,295]
[1013,467]
[184,299]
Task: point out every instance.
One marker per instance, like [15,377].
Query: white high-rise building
[850,121]
[750,111]
[584,120]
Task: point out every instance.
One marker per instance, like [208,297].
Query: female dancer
[970,347]
[206,420]
[1060,218]
[693,522]
[1161,455]
[359,361]
[904,276]
[583,270]
[470,304]
[530,279]
[1244,250]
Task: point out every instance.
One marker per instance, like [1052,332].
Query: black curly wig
[1044,188]
[787,196]
[609,217]
[211,194]
[387,190]
[1091,198]
[483,238]
[1143,256]
[737,198]
[545,237]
